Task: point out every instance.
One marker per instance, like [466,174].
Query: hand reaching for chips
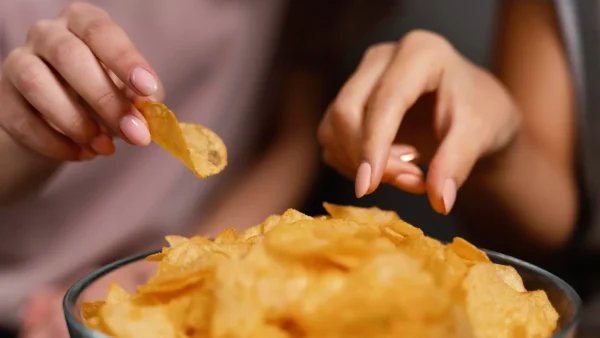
[199,148]
[356,273]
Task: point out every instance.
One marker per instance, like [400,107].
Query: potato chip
[199,148]
[361,272]
[468,251]
[360,215]
[497,310]
[131,321]
[511,277]
[90,310]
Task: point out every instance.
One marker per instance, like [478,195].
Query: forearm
[527,196]
[22,172]
[520,201]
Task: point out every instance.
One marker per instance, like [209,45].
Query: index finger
[113,47]
[416,70]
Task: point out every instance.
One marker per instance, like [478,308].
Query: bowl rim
[75,290]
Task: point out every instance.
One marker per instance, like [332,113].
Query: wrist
[23,171]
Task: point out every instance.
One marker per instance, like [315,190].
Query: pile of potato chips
[360,272]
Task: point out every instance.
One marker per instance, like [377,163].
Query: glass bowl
[564,299]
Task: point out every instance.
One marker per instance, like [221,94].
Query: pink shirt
[211,56]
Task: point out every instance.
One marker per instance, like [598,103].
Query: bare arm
[21,171]
[283,177]
[527,196]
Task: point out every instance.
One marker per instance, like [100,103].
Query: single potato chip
[468,251]
[511,277]
[199,148]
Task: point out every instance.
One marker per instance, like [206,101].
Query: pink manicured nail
[144,81]
[103,144]
[363,179]
[449,195]
[405,153]
[135,130]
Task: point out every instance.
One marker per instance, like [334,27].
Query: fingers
[416,69]
[401,171]
[452,163]
[112,47]
[65,73]
[28,128]
[78,67]
[345,115]
[36,82]
[404,175]
[61,90]
[340,132]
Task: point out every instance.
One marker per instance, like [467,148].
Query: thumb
[451,166]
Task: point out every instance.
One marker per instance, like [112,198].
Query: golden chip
[467,251]
[199,148]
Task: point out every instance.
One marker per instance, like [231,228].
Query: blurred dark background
[468,24]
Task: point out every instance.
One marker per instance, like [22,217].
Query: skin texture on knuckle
[38,30]
[28,77]
[111,99]
[65,51]
[81,130]
[9,62]
[425,37]
[378,50]
[428,47]
[79,8]
[95,29]
[340,113]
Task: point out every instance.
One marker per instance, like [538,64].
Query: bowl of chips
[357,272]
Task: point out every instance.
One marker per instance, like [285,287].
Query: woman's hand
[75,77]
[473,116]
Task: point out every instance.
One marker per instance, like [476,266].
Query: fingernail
[404,154]
[103,144]
[363,179]
[449,195]
[86,153]
[410,182]
[135,130]
[144,81]
[135,112]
